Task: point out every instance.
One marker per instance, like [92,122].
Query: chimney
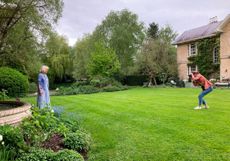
[213,19]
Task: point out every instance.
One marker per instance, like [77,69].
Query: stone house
[187,46]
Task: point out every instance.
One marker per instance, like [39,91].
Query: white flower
[3,143]
[1,138]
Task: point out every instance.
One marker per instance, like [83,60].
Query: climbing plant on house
[204,57]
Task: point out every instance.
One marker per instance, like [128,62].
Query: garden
[152,124]
[115,94]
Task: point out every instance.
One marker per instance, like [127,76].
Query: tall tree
[153,30]
[122,32]
[103,62]
[24,27]
[82,51]
[157,58]
[58,57]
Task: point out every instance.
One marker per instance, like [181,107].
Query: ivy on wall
[204,57]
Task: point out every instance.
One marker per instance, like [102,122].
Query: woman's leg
[205,92]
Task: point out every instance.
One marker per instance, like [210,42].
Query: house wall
[182,61]
[225,53]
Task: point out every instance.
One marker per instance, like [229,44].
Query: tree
[157,57]
[82,51]
[37,15]
[122,32]
[103,62]
[58,57]
[24,27]
[153,30]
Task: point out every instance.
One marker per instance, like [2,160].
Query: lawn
[156,124]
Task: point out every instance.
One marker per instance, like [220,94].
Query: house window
[216,55]
[192,49]
[192,68]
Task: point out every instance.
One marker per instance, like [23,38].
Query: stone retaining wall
[15,115]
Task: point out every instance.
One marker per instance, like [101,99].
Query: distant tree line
[118,47]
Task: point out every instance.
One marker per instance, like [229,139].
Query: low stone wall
[14,115]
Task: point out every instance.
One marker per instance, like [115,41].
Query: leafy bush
[40,125]
[12,137]
[103,82]
[79,83]
[13,81]
[7,154]
[78,90]
[37,154]
[68,155]
[113,88]
[32,87]
[3,95]
[70,123]
[78,141]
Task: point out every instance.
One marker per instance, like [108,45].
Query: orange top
[202,81]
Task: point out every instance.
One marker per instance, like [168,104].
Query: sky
[80,17]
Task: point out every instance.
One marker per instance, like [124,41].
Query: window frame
[190,52]
[189,67]
[216,55]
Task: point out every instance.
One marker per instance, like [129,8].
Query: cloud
[82,16]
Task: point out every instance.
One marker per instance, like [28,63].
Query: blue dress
[43,83]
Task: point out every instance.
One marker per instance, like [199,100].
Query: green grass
[155,124]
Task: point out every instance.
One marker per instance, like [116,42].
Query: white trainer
[197,108]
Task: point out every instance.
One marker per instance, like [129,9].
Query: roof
[210,30]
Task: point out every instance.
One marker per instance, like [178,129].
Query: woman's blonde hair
[44,67]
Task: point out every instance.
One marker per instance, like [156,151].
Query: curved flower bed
[12,112]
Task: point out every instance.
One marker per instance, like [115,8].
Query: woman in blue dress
[43,99]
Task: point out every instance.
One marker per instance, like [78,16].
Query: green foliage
[40,125]
[82,51]
[80,83]
[7,154]
[58,57]
[122,32]
[13,81]
[20,36]
[153,30]
[103,62]
[32,87]
[36,154]
[114,88]
[154,124]
[13,138]
[87,89]
[104,81]
[158,57]
[204,58]
[68,155]
[79,141]
[3,95]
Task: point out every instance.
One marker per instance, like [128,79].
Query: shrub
[78,141]
[12,137]
[68,155]
[103,82]
[7,154]
[40,125]
[70,123]
[78,90]
[37,154]
[13,81]
[3,95]
[32,87]
[112,89]
[79,83]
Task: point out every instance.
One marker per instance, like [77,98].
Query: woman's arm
[194,78]
[40,89]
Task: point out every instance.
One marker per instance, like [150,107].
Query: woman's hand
[40,92]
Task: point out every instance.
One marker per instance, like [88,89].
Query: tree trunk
[155,82]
